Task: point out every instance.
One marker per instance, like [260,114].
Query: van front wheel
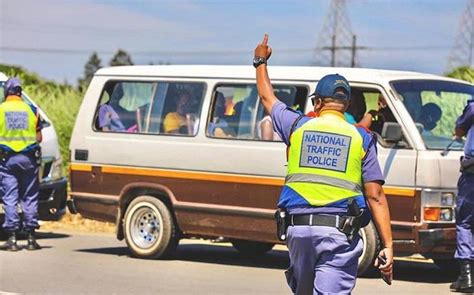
[149,228]
[370,250]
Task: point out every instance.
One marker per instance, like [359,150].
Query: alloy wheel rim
[145,227]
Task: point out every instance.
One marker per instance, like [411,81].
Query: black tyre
[448,266]
[3,235]
[149,228]
[371,248]
[251,248]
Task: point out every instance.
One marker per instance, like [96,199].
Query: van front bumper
[52,200]
[437,242]
[436,236]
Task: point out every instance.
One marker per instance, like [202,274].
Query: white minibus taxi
[169,152]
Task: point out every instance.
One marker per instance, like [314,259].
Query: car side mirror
[392,132]
[44,123]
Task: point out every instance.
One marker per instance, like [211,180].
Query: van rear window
[237,112]
[150,107]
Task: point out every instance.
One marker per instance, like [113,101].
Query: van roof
[276,72]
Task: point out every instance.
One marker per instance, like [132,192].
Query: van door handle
[82,155]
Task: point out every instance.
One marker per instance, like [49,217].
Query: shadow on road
[413,271]
[217,254]
[39,236]
[418,272]
[220,254]
[50,235]
[119,251]
[409,271]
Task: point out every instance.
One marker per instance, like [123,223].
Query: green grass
[61,106]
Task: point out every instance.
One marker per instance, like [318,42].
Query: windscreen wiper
[448,147]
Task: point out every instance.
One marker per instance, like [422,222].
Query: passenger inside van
[357,107]
[265,127]
[110,114]
[184,119]
[429,116]
[219,127]
[375,119]
[244,115]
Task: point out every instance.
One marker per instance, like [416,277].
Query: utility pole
[353,49]
[462,50]
[336,42]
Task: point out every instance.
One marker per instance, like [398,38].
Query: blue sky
[220,32]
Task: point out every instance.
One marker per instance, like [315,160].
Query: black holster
[37,155]
[282,219]
[353,222]
[4,155]
[467,165]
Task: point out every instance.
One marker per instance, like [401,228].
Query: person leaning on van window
[20,135]
[181,120]
[330,164]
[375,119]
[465,203]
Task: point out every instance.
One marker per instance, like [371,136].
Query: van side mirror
[392,132]
[419,127]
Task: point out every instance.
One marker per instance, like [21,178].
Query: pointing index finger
[265,39]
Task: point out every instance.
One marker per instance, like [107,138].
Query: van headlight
[57,170]
[438,206]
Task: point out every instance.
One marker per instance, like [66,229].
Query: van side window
[150,107]
[237,112]
[369,108]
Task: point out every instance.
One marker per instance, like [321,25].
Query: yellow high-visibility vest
[325,160]
[17,124]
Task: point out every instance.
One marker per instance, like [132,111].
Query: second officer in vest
[331,166]
[20,135]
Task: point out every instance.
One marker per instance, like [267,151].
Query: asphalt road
[78,263]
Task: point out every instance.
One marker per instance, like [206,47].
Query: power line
[213,52]
[339,43]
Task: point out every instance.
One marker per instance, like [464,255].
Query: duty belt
[467,165]
[349,225]
[318,220]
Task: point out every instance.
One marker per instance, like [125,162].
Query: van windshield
[434,106]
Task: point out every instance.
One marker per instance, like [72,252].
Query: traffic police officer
[330,163]
[465,202]
[20,134]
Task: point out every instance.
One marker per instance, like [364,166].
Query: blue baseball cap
[335,86]
[12,87]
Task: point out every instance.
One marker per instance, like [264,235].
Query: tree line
[120,58]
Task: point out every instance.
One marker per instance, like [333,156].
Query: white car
[53,183]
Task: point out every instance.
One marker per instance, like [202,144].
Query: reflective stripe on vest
[325,160]
[322,179]
[17,125]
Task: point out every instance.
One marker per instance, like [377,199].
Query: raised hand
[262,49]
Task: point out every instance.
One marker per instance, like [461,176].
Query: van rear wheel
[251,248]
[370,250]
[149,228]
